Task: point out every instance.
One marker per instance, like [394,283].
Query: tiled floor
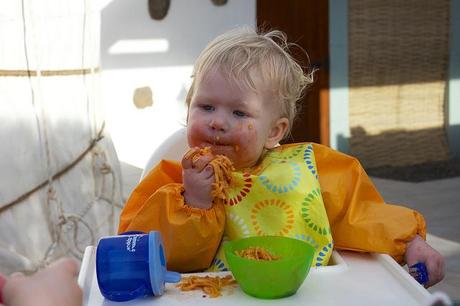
[438,201]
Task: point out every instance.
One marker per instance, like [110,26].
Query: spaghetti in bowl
[269,267]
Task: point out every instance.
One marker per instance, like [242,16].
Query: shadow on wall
[404,155]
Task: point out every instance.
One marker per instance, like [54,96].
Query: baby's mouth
[221,146]
[225,149]
[217,141]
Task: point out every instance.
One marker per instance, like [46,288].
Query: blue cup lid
[157,265]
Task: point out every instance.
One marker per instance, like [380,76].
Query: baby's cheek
[194,134]
[246,138]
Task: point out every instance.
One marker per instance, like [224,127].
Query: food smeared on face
[238,115]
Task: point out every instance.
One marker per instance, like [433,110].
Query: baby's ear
[277,132]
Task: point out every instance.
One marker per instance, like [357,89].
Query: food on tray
[256,253]
[210,285]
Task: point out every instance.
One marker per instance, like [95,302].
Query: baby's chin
[223,150]
[233,152]
[239,165]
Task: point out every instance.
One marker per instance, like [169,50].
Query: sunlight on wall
[129,46]
[137,132]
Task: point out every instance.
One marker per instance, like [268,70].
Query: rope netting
[78,201]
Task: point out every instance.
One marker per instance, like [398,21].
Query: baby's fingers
[3,280]
[208,173]
[187,160]
[67,265]
[202,162]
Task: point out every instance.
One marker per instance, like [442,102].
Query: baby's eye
[239,113]
[207,107]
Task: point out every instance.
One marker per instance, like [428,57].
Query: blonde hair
[240,52]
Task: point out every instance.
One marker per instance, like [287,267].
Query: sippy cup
[132,265]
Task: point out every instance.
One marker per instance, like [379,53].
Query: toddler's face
[236,122]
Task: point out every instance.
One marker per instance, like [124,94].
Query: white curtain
[60,181]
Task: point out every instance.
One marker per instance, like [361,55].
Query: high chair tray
[350,279]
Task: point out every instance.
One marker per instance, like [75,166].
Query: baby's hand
[55,285]
[419,251]
[198,176]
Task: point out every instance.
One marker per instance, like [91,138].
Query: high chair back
[173,148]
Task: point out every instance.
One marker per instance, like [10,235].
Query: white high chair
[351,278]
[173,148]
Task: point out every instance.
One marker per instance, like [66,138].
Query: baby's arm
[198,176]
[361,220]
[191,235]
[418,250]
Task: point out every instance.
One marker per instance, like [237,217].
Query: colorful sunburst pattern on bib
[311,217]
[279,196]
[265,211]
[307,156]
[289,182]
[241,186]
[323,254]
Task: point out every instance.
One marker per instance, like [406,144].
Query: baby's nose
[218,125]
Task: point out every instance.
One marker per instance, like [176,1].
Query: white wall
[184,32]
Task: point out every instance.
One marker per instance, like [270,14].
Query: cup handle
[172,277]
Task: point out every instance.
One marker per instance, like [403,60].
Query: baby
[241,104]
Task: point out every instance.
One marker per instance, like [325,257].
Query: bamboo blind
[398,68]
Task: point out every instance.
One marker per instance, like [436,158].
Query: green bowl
[270,279]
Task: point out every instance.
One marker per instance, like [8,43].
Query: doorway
[306,23]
